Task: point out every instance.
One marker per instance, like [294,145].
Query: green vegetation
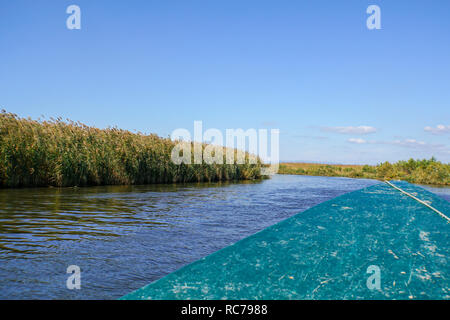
[414,171]
[64,153]
[58,153]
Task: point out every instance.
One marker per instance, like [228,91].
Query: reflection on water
[31,219]
[124,237]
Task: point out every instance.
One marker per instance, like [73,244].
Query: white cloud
[410,143]
[423,146]
[351,130]
[439,129]
[406,143]
[357,140]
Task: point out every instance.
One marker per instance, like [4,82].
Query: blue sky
[338,92]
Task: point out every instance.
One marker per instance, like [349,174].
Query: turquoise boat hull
[329,252]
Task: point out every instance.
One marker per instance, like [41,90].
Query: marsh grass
[65,153]
[414,171]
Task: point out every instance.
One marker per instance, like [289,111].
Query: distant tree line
[415,171]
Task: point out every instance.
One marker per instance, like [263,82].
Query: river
[123,237]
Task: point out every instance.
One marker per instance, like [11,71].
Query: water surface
[123,237]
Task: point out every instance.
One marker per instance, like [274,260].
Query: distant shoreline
[429,172]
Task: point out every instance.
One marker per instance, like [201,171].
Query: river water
[123,237]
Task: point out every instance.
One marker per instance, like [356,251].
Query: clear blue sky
[310,68]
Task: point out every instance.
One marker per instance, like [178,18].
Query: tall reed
[66,153]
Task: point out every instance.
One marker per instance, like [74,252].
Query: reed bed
[415,171]
[59,153]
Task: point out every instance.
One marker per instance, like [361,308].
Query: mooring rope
[422,202]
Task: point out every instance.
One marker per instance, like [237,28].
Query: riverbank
[66,153]
[430,172]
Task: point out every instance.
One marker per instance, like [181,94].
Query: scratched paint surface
[324,253]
